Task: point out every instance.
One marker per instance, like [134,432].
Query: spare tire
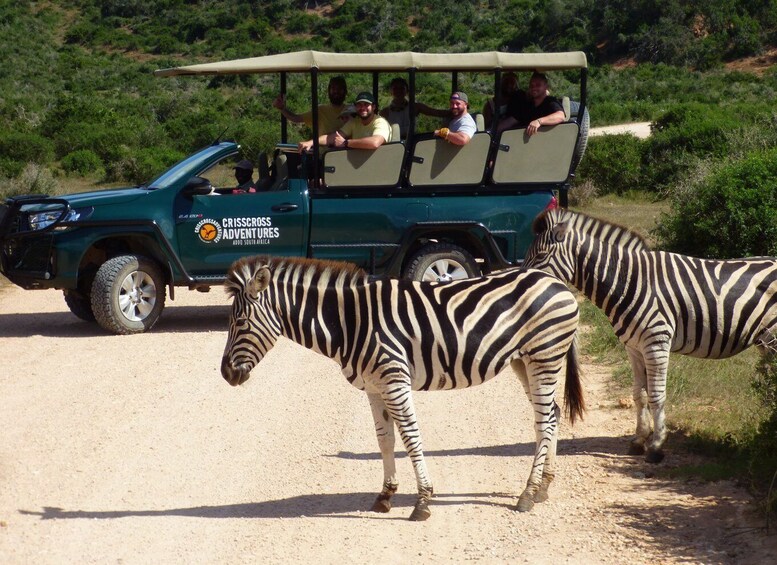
[583,123]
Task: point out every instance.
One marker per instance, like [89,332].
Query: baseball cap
[460,96]
[245,164]
[364,97]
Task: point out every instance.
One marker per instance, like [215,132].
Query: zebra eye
[241,320]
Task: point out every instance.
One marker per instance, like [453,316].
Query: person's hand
[279,102]
[339,140]
[533,127]
[305,146]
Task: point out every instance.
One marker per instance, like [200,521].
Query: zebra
[658,303]
[391,337]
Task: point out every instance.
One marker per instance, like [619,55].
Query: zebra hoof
[525,503]
[421,511]
[382,504]
[636,449]
[541,495]
[654,455]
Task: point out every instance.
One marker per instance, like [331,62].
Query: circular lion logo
[209,231]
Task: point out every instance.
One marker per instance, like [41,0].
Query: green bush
[26,147]
[82,162]
[732,212]
[688,133]
[142,165]
[613,163]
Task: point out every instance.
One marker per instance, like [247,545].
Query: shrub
[684,135]
[613,163]
[141,165]
[26,147]
[732,212]
[81,162]
[33,179]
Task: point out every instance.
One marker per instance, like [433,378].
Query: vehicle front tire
[442,262]
[80,305]
[128,294]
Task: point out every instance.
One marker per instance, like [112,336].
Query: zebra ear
[259,282]
[559,232]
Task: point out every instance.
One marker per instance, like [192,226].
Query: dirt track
[134,450]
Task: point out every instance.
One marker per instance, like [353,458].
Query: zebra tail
[573,389]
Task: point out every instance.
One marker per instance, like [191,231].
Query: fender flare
[472,236]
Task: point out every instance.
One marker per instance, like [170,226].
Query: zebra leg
[639,393]
[656,393]
[384,428]
[542,384]
[548,473]
[399,403]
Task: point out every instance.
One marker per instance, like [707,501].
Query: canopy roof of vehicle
[304,61]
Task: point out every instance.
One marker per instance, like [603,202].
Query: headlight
[42,220]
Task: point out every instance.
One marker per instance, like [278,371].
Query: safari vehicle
[418,208]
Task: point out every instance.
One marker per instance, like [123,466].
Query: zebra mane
[243,270]
[595,228]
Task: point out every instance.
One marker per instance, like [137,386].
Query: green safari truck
[417,208]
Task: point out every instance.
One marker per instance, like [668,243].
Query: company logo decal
[209,231]
[256,230]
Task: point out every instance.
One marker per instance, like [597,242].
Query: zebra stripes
[658,302]
[394,336]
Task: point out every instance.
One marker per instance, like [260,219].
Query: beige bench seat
[544,157]
[437,162]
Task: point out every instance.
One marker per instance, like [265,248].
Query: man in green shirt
[366,130]
[328,114]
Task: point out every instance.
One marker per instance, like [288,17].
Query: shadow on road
[597,446]
[179,319]
[309,505]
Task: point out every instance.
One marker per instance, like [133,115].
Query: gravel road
[132,449]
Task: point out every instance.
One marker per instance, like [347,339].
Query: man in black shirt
[533,108]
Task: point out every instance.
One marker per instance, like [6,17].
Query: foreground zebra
[658,302]
[394,336]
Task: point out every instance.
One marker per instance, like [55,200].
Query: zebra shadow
[180,319]
[597,446]
[342,505]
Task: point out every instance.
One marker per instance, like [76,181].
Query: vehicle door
[214,230]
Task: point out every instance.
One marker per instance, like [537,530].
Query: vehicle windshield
[185,168]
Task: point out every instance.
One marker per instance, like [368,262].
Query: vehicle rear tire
[441,262]
[128,294]
[584,123]
[80,305]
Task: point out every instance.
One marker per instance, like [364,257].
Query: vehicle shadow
[175,319]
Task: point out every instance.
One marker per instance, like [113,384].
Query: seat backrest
[437,162]
[480,121]
[280,172]
[364,167]
[396,133]
[543,157]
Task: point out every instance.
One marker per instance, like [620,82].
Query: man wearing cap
[366,130]
[533,108]
[244,172]
[328,114]
[461,126]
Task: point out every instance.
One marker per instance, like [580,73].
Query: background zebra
[394,336]
[658,302]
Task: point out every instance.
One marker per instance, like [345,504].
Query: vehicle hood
[111,196]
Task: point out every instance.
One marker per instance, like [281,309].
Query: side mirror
[197,185]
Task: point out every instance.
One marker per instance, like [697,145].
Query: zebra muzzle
[234,376]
